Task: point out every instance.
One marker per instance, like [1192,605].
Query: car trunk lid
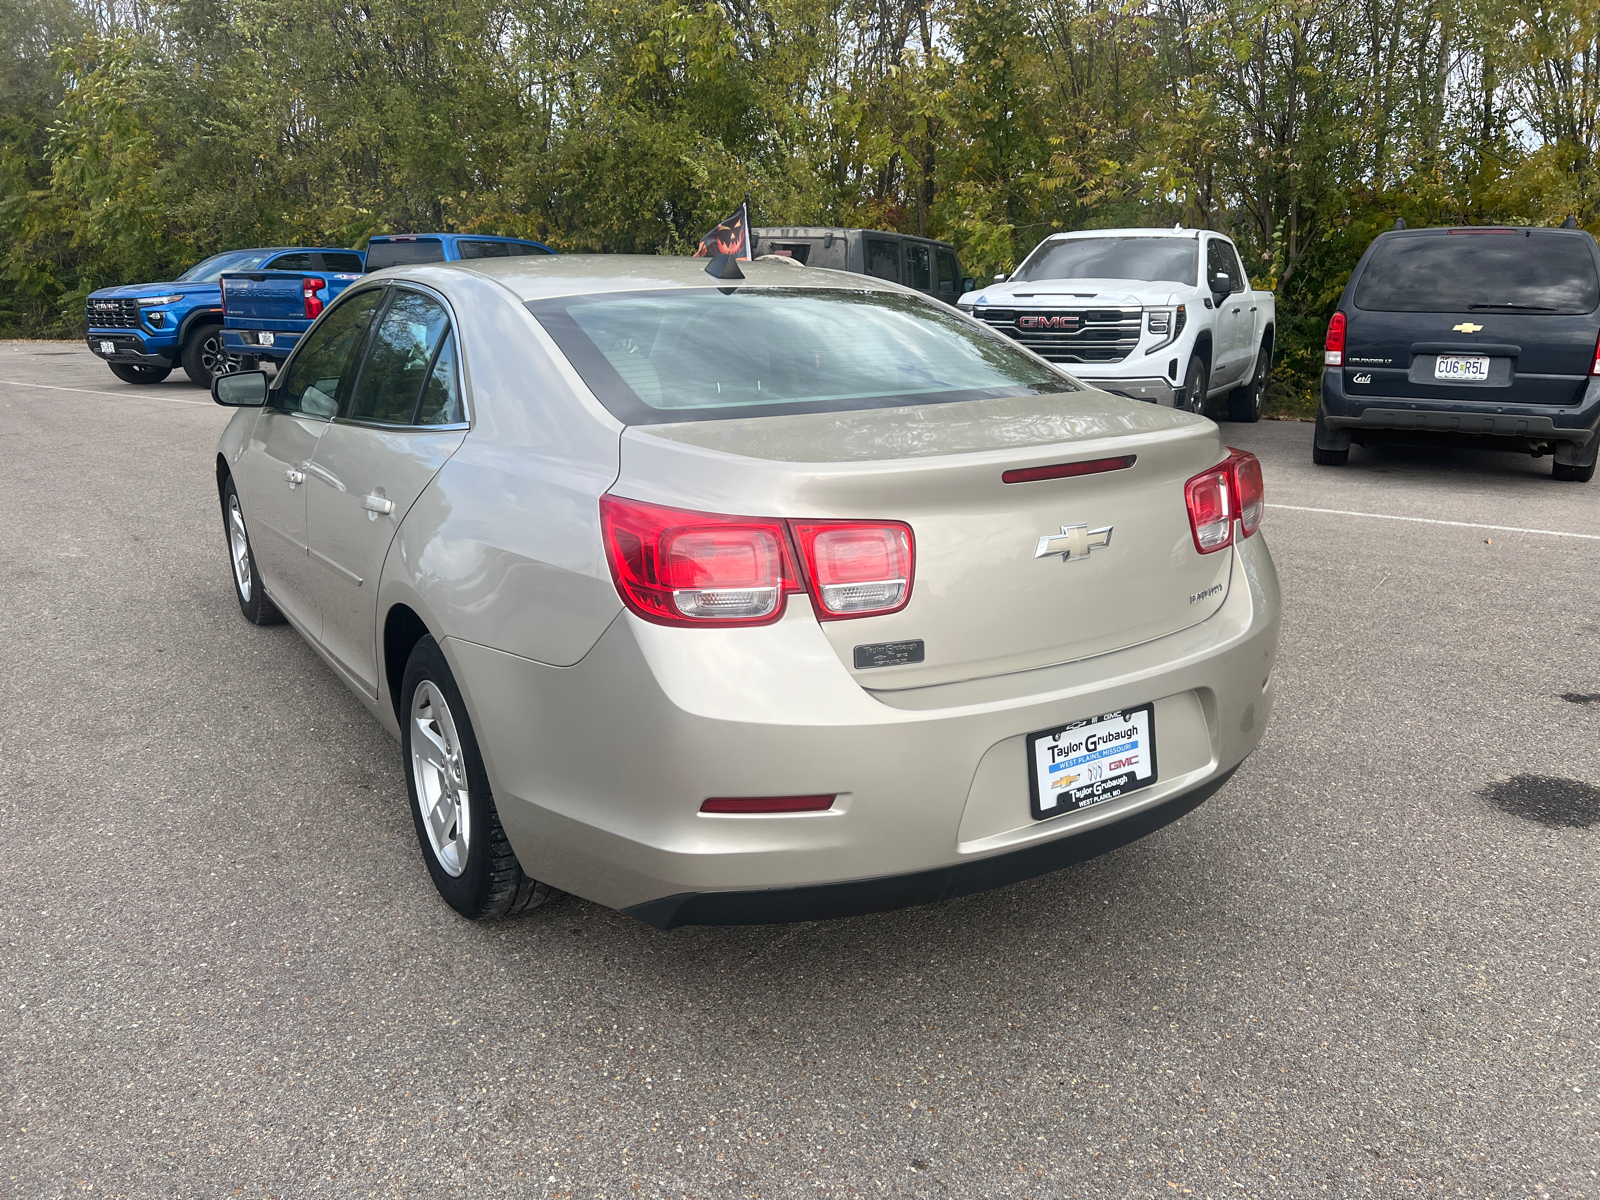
[985,600]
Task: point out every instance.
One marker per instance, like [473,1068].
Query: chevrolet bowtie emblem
[1074,541]
[1466,327]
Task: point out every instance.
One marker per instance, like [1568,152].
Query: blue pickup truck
[269,310]
[144,330]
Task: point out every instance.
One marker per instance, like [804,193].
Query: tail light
[1210,500]
[1232,490]
[309,289]
[856,568]
[1333,347]
[1595,370]
[675,567]
[1249,490]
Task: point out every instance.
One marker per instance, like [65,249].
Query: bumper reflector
[767,804]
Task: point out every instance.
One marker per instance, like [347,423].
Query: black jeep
[1482,335]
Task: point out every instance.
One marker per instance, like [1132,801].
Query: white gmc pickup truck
[1164,315]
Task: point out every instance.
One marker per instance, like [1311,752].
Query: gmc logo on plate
[1047,322]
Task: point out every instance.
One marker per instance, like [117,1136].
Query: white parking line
[97,392]
[1343,512]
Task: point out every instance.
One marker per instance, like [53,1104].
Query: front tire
[465,847]
[1195,381]
[138,372]
[247,589]
[203,356]
[1246,401]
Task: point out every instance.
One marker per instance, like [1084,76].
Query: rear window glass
[399,254]
[1480,272]
[706,354]
[1156,259]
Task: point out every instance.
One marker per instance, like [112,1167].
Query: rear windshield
[1489,271]
[1164,259]
[399,254]
[706,354]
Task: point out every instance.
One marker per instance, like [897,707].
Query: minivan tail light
[675,567]
[309,289]
[1333,347]
[1210,499]
[1595,370]
[856,568]
[1249,490]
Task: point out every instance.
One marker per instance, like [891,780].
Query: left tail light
[1232,490]
[1595,370]
[309,288]
[677,567]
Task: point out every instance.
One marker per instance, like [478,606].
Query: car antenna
[1570,223]
[724,266]
[1399,222]
[1177,227]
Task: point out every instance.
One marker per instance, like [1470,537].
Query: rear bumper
[1381,418]
[1155,389]
[599,769]
[130,347]
[248,342]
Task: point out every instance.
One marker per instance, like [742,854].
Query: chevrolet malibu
[725,596]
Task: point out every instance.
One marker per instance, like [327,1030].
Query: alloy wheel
[440,771]
[239,549]
[214,358]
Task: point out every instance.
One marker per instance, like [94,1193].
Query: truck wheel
[138,372]
[203,356]
[1246,401]
[1326,458]
[1194,386]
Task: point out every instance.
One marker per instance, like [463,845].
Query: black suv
[1483,335]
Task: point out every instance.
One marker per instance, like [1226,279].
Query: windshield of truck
[403,254]
[211,269]
[703,354]
[1500,270]
[1154,259]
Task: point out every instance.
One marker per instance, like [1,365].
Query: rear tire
[254,603]
[1195,380]
[138,372]
[465,847]
[1572,472]
[1246,401]
[203,356]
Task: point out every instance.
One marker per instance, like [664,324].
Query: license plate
[1462,368]
[263,339]
[1077,766]
[108,347]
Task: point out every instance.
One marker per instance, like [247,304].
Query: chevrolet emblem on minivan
[1074,541]
[1466,327]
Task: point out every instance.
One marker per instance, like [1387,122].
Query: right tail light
[1333,345]
[673,566]
[1595,370]
[1233,490]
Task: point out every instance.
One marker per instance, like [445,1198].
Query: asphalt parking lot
[1367,967]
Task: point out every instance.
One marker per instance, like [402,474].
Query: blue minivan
[407,249]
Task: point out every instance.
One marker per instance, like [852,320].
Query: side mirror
[1001,278]
[245,389]
[967,284]
[1221,284]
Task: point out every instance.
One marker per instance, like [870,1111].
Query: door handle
[1236,310]
[376,505]
[294,477]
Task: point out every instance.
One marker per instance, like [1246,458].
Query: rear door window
[342,262]
[919,267]
[949,276]
[399,360]
[475,249]
[1506,271]
[883,259]
[406,253]
[293,262]
[523,249]
[324,362]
